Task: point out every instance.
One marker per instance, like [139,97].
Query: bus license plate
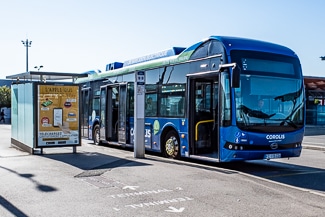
[272,156]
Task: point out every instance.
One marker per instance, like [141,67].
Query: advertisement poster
[58,115]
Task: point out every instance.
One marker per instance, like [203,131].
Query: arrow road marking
[131,187]
[173,209]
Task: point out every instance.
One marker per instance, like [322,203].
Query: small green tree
[5,96]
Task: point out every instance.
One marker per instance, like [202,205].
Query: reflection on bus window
[96,105]
[225,100]
[151,105]
[172,106]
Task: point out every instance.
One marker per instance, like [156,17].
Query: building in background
[315,100]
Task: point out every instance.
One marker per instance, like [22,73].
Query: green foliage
[5,96]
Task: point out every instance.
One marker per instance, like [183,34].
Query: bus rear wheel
[96,136]
[171,145]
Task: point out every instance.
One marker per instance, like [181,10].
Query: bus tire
[96,136]
[171,145]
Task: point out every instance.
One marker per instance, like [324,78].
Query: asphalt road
[103,181]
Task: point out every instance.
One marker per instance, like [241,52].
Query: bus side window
[151,105]
[163,110]
[181,107]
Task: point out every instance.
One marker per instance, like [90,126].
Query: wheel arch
[95,126]
[165,134]
[167,128]
[95,122]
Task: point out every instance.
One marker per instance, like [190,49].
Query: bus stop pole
[139,99]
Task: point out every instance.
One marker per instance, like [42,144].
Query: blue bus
[222,99]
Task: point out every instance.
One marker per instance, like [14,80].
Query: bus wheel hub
[170,146]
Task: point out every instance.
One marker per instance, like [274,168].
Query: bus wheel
[96,137]
[171,145]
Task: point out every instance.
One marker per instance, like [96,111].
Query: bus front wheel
[96,136]
[171,145]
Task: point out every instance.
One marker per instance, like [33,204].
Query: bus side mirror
[235,78]
[235,75]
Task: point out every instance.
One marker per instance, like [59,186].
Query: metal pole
[139,125]
[27,44]
[26,55]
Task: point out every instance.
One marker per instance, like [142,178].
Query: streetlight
[322,57]
[27,44]
[38,67]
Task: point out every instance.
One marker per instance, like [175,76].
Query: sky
[82,35]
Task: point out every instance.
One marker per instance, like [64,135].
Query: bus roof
[236,43]
[177,55]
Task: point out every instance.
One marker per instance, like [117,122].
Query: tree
[5,96]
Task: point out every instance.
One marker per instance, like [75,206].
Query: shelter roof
[48,76]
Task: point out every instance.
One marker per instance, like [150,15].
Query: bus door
[122,110]
[85,111]
[203,116]
[113,113]
[103,112]
[108,97]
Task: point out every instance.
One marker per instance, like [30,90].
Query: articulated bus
[222,99]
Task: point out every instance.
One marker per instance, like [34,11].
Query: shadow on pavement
[11,208]
[41,187]
[93,163]
[289,174]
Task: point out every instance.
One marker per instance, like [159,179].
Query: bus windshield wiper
[289,96]
[289,122]
[255,113]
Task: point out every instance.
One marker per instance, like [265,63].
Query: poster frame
[65,137]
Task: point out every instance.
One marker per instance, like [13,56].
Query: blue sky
[82,35]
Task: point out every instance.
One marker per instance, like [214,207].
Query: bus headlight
[298,145]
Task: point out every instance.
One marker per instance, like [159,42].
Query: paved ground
[314,138]
[76,183]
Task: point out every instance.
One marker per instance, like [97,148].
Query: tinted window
[201,51]
[209,48]
[261,63]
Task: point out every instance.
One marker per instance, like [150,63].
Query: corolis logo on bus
[276,136]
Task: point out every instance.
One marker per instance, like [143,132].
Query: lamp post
[38,67]
[27,44]
[322,58]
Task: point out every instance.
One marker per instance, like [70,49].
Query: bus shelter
[45,110]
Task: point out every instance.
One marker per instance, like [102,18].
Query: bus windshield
[270,96]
